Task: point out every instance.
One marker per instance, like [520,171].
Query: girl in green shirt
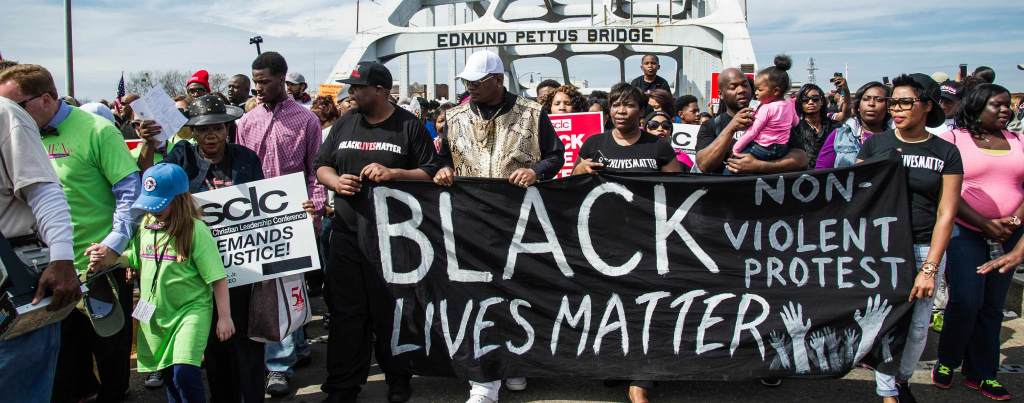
[181,275]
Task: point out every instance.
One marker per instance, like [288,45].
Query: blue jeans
[28,364]
[769,153]
[917,335]
[184,384]
[974,314]
[281,357]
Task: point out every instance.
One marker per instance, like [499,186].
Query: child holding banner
[181,270]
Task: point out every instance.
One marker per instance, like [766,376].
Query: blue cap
[159,186]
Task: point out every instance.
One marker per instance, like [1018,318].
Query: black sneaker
[771,382]
[277,384]
[905,396]
[399,391]
[992,389]
[942,376]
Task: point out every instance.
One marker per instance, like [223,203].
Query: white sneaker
[480,399]
[515,384]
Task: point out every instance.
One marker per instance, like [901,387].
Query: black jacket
[245,164]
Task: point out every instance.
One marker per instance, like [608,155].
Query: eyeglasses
[653,125]
[474,84]
[816,99]
[197,91]
[902,104]
[24,104]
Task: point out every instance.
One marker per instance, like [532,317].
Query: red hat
[202,77]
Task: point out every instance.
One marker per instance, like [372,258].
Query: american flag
[120,88]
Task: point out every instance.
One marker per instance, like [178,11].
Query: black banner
[646,277]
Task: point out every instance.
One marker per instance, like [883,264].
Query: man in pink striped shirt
[286,136]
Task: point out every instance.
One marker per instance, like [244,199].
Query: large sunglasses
[474,84]
[653,125]
[816,99]
[902,104]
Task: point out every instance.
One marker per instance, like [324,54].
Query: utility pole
[256,40]
[810,72]
[69,53]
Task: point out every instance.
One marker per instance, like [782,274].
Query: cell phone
[963,72]
[885,80]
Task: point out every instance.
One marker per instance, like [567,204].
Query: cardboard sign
[332,89]
[261,230]
[573,129]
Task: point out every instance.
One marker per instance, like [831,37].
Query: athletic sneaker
[771,382]
[277,384]
[905,396]
[990,388]
[942,376]
[515,384]
[480,399]
[155,380]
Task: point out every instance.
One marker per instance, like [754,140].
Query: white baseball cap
[482,64]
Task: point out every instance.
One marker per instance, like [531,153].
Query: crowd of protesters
[69,181]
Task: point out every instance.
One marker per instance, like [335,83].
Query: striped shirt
[286,138]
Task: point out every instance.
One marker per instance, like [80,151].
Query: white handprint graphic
[793,317]
[778,342]
[850,346]
[817,343]
[870,323]
[887,346]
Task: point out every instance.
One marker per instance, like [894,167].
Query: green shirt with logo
[90,156]
[181,292]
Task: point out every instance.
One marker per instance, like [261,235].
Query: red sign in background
[573,129]
[714,88]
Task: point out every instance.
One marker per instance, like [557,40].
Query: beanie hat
[202,77]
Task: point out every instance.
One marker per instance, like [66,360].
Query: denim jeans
[769,153]
[917,335]
[184,384]
[974,315]
[281,357]
[28,364]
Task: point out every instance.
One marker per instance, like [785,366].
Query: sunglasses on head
[653,125]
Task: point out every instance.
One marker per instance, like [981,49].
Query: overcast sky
[874,38]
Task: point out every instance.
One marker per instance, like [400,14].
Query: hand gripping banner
[645,277]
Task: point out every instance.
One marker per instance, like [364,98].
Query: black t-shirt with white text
[648,154]
[710,130]
[926,163]
[401,141]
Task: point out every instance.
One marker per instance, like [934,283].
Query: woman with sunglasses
[934,175]
[870,116]
[660,124]
[815,123]
[988,223]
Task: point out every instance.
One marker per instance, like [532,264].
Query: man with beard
[716,137]
[497,135]
[380,142]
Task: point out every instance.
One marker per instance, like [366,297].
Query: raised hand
[832,347]
[870,323]
[887,346]
[778,342]
[817,342]
[793,317]
[850,346]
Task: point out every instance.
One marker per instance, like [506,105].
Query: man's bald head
[734,90]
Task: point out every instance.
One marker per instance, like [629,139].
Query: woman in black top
[815,123]
[626,148]
[934,175]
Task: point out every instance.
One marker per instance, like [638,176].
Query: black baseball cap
[930,91]
[369,73]
[950,90]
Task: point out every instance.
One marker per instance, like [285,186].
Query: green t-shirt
[182,295]
[90,156]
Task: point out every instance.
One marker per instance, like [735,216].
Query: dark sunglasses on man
[653,125]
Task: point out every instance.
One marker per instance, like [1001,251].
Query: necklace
[898,136]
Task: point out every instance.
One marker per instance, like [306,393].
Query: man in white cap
[297,89]
[497,135]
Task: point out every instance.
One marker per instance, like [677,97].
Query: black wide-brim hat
[211,110]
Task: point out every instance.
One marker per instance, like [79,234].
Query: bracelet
[929,269]
[1015,221]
